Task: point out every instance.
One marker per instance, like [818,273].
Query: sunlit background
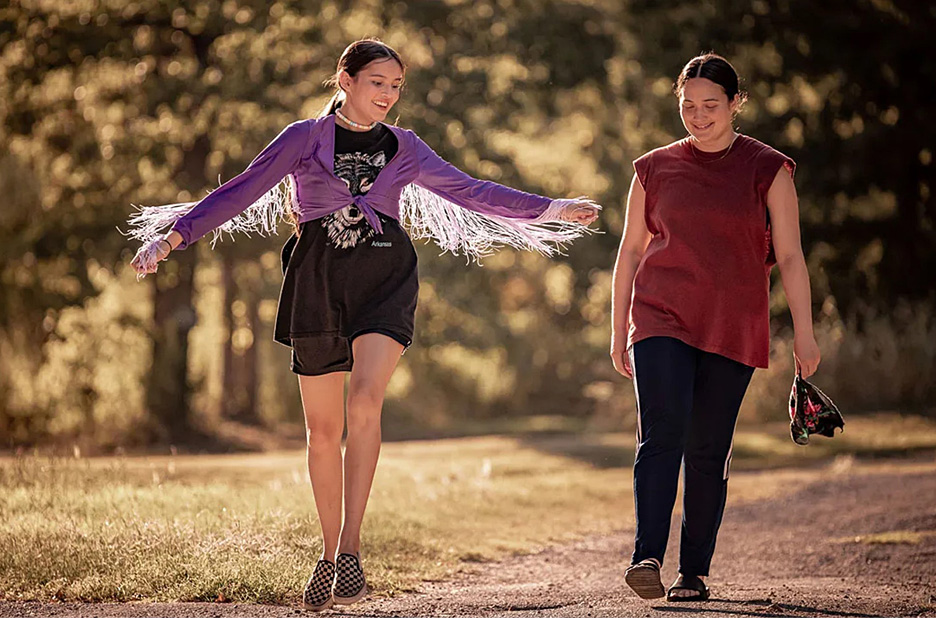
[109,103]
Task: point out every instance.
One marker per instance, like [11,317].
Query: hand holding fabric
[581,210]
[149,255]
[806,354]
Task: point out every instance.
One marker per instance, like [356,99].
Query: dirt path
[796,555]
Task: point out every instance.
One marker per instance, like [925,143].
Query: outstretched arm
[277,160]
[489,198]
[784,217]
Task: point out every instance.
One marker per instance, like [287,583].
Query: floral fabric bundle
[812,412]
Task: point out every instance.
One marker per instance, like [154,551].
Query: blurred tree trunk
[244,401]
[241,317]
[167,391]
[251,374]
[228,403]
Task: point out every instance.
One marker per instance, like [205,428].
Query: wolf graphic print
[347,227]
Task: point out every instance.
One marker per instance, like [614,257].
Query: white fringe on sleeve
[476,235]
[426,215]
[151,223]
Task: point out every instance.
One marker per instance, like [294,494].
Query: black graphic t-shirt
[341,279]
[359,157]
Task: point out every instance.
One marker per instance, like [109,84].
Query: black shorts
[332,294]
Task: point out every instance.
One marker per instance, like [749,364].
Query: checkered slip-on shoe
[317,595]
[350,586]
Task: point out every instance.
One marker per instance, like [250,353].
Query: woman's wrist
[174,239]
[553,210]
[803,332]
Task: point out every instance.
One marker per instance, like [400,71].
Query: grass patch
[243,527]
[867,436]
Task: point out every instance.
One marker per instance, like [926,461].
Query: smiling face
[707,113]
[371,93]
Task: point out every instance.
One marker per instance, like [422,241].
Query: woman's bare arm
[633,245]
[783,206]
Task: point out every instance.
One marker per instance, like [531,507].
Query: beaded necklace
[356,125]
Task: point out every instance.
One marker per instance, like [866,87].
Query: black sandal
[644,579]
[691,583]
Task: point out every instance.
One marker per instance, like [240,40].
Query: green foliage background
[107,103]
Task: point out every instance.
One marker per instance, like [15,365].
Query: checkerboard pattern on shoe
[349,580]
[318,592]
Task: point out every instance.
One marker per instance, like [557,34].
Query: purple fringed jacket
[306,151]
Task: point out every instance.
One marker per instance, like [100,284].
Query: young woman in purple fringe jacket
[348,181]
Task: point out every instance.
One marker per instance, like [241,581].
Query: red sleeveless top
[704,278]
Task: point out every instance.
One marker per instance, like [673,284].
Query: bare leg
[323,404]
[375,357]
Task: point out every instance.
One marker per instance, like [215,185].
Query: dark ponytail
[355,57]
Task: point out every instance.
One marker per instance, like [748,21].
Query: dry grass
[243,527]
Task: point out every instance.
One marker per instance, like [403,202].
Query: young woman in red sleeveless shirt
[707,217]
